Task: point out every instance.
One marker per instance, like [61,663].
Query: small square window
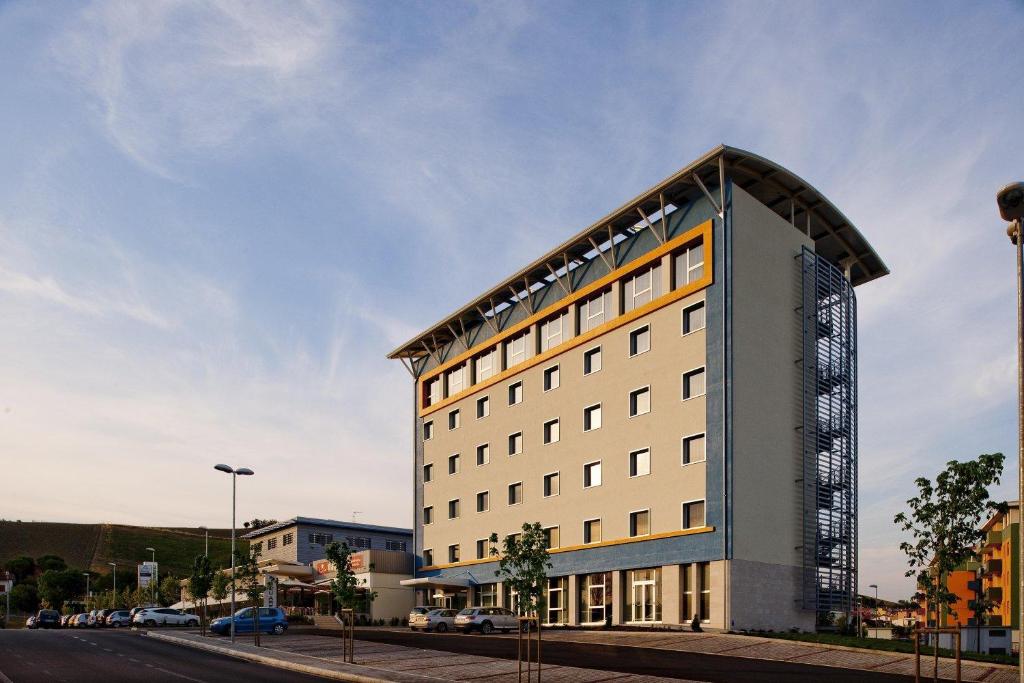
[428,557]
[693,383]
[453,464]
[640,523]
[694,449]
[515,493]
[592,361]
[428,515]
[693,318]
[592,474]
[483,407]
[454,419]
[693,514]
[640,340]
[551,537]
[453,509]
[482,548]
[592,531]
[428,430]
[551,431]
[483,501]
[640,401]
[551,485]
[428,472]
[453,553]
[483,454]
[640,463]
[551,378]
[592,417]
[515,393]
[515,443]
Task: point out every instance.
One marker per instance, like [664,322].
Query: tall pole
[86,588]
[234,477]
[113,600]
[1019,243]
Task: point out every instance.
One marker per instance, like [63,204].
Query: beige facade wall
[393,599]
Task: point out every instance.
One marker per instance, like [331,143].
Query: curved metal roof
[781,190]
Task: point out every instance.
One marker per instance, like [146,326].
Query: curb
[239,653]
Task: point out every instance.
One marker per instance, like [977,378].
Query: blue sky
[217,218]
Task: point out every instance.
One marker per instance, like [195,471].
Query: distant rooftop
[313,521]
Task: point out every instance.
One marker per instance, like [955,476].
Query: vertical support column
[618,601]
[571,327]
[666,273]
[573,600]
[671,594]
[616,300]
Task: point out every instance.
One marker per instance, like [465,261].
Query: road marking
[4,679]
[175,673]
[107,649]
[133,660]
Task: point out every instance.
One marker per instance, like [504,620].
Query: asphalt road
[83,655]
[647,661]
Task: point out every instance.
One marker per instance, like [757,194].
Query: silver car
[164,616]
[486,620]
[440,620]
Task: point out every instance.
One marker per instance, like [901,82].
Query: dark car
[47,618]
[118,618]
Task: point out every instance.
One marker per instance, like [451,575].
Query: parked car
[80,620]
[64,620]
[439,620]
[91,621]
[271,620]
[486,620]
[418,611]
[47,618]
[101,616]
[164,616]
[119,618]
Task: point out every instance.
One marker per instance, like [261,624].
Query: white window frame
[682,514]
[458,508]
[487,548]
[543,484]
[428,426]
[522,493]
[511,354]
[426,552]
[629,340]
[425,515]
[428,467]
[592,428]
[433,397]
[544,431]
[587,315]
[545,374]
[476,501]
[682,317]
[460,386]
[690,266]
[586,354]
[682,382]
[600,474]
[458,419]
[682,449]
[486,402]
[458,551]
[634,293]
[592,541]
[458,464]
[487,450]
[650,463]
[481,370]
[519,451]
[559,545]
[630,522]
[511,388]
[546,335]
[629,408]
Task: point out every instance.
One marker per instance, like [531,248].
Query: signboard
[270,595]
[322,566]
[147,574]
[5,586]
[357,562]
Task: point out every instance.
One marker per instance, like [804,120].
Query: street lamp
[114,598]
[207,553]
[1011,208]
[244,471]
[86,575]
[875,586]
[156,575]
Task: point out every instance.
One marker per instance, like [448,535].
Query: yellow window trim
[586,546]
[703,230]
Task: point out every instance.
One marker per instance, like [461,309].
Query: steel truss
[829,323]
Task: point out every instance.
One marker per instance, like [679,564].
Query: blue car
[271,620]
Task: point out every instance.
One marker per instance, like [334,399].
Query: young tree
[523,565]
[57,586]
[346,588]
[944,520]
[169,591]
[199,584]
[247,580]
[219,588]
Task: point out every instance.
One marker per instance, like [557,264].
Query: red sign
[322,566]
[356,562]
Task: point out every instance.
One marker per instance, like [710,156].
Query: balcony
[993,567]
[993,539]
[994,594]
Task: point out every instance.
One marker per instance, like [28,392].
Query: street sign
[147,574]
[6,586]
[270,595]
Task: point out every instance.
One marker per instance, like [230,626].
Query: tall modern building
[672,394]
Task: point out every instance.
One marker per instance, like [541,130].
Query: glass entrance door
[644,599]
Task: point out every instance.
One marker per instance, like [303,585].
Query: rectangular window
[288,539]
[484,365]
[428,514]
[515,393]
[397,546]
[688,604]
[428,472]
[454,419]
[553,332]
[358,541]
[640,462]
[592,417]
[432,391]
[693,514]
[694,449]
[644,595]
[595,598]
[271,544]
[551,537]
[515,493]
[551,486]
[428,430]
[428,557]
[592,531]
[453,464]
[515,350]
[483,454]
[453,553]
[592,361]
[689,265]
[456,380]
[642,288]
[551,431]
[515,443]
[453,509]
[483,501]
[595,311]
[640,401]
[705,591]
[482,548]
[693,318]
[592,474]
[257,547]
[551,378]
[487,594]
[640,340]
[640,523]
[483,407]
[693,383]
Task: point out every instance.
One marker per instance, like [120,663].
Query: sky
[216,219]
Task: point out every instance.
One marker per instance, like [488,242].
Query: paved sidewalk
[321,655]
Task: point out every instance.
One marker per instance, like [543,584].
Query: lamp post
[86,575]
[1011,208]
[244,471]
[156,575]
[207,531]
[113,601]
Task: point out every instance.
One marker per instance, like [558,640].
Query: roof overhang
[781,190]
[437,582]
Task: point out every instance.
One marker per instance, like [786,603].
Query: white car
[440,620]
[486,620]
[164,616]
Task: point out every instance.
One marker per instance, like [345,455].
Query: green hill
[92,546]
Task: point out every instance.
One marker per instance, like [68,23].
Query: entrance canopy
[438,582]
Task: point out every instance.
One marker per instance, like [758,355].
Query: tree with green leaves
[199,585]
[944,520]
[57,586]
[24,597]
[348,590]
[247,580]
[169,590]
[523,565]
[51,562]
[22,567]
[219,588]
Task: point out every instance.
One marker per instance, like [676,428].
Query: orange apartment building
[1000,566]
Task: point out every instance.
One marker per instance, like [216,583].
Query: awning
[437,582]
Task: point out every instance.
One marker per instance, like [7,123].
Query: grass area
[76,543]
[905,646]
